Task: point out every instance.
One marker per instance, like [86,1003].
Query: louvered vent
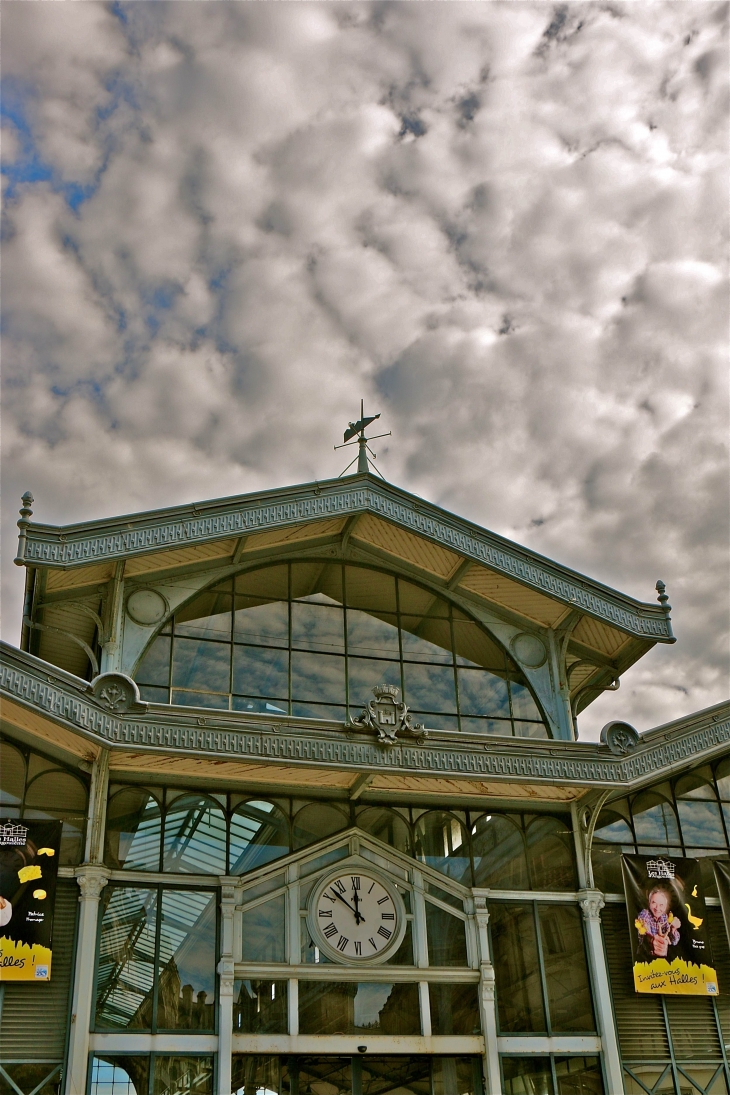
[639,1018]
[35,1016]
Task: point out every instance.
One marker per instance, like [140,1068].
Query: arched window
[441,842]
[550,853]
[195,836]
[68,795]
[133,830]
[259,833]
[316,821]
[388,826]
[655,822]
[498,848]
[312,639]
[699,811]
[613,836]
[12,779]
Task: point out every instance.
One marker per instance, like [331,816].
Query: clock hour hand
[358,915]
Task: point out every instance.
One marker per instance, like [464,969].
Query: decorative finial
[363,462]
[25,515]
[663,599]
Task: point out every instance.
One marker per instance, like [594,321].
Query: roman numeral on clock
[384,932]
[342,942]
[383,900]
[372,943]
[356,882]
[326,912]
[329,931]
[339,885]
[387,916]
[358,947]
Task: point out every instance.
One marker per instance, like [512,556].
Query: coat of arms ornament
[388,716]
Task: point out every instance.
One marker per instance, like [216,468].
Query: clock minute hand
[358,915]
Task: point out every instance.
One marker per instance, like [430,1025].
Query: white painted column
[92,878]
[487,1002]
[226,977]
[591,902]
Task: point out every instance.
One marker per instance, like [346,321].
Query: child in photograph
[657,925]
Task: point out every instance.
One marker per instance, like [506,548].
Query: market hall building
[327,826]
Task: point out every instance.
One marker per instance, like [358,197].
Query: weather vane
[358,428]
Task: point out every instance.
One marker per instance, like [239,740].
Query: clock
[356,915]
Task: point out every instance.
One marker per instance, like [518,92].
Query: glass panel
[120,1075]
[579,1075]
[612,827]
[331,711]
[441,842]
[317,821]
[693,1028]
[317,582]
[654,820]
[416,601]
[550,853]
[481,693]
[446,937]
[697,784]
[527,1076]
[606,860]
[516,969]
[206,617]
[133,830]
[259,834]
[201,666]
[125,973]
[200,699]
[69,797]
[426,640]
[454,1009]
[370,589]
[151,694]
[474,646]
[531,730]
[354,1008]
[523,705]
[387,826]
[566,973]
[503,727]
[155,665]
[365,673]
[186,985]
[701,822]
[12,775]
[260,1007]
[430,687]
[370,636]
[264,707]
[318,1075]
[317,677]
[260,671]
[264,935]
[195,836]
[183,1076]
[435,722]
[267,584]
[256,1075]
[722,778]
[318,627]
[498,849]
[262,625]
[456,1076]
[402,1076]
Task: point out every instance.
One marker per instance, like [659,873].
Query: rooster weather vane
[357,429]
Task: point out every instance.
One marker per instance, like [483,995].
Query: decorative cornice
[71,702]
[143,533]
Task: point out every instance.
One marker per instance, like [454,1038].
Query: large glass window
[262,1074]
[156,959]
[552,1076]
[327,1007]
[312,639]
[158,1074]
[523,852]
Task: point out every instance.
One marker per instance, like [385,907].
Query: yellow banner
[677,976]
[21,962]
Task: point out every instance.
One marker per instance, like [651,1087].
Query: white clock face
[356,916]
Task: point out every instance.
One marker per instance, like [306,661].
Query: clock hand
[358,915]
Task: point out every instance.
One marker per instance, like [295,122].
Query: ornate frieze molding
[73,703]
[140,534]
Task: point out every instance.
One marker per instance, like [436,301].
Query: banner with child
[28,872]
[668,924]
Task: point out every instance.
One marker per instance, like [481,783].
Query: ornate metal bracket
[388,716]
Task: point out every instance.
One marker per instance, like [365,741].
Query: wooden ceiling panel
[404,545]
[168,560]
[600,636]
[308,531]
[503,591]
[96,574]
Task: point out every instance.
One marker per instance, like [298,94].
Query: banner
[722,878]
[668,924]
[28,872]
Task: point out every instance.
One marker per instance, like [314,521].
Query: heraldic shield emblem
[388,716]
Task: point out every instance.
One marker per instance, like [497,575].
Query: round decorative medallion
[356,916]
[529,650]
[620,737]
[146,607]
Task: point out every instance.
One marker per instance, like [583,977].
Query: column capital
[92,879]
[591,902]
[487,981]
[481,911]
[230,892]
[227,975]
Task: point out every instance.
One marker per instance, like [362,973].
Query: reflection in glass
[530,730]
[441,843]
[654,820]
[353,1008]
[261,625]
[523,705]
[426,640]
[481,693]
[201,666]
[579,1075]
[317,677]
[125,976]
[68,796]
[454,1009]
[550,853]
[259,833]
[133,830]
[206,617]
[195,836]
[200,699]
[446,937]
[517,969]
[182,1075]
[317,627]
[386,825]
[263,673]
[260,1007]
[12,775]
[499,854]
[264,935]
[701,822]
[119,1075]
[430,687]
[258,1074]
[566,973]
[527,1076]
[316,821]
[186,961]
[155,665]
[370,636]
[365,673]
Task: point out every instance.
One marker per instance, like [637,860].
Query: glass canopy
[312,639]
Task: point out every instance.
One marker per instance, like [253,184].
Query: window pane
[152,694]
[268,584]
[441,842]
[503,727]
[371,636]
[120,1075]
[68,797]
[258,1074]
[523,705]
[446,937]
[206,617]
[183,1076]
[606,860]
[435,722]
[426,640]
[317,582]
[317,677]
[654,821]
[195,836]
[579,1075]
[516,969]
[263,625]
[258,671]
[527,1076]
[259,834]
[462,1074]
[701,823]
[370,589]
[12,775]
[530,730]
[353,1008]
[473,646]
[201,666]
[125,975]
[387,826]
[454,1009]
[260,1007]
[155,665]
[430,687]
[186,987]
[566,974]
[200,699]
[331,711]
[550,853]
[416,601]
[365,674]
[133,831]
[498,848]
[317,821]
[697,784]
[264,932]
[318,627]
[481,693]
[613,827]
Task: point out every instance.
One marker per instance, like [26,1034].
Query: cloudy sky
[502,224]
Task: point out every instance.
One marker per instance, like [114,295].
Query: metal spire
[364,463]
